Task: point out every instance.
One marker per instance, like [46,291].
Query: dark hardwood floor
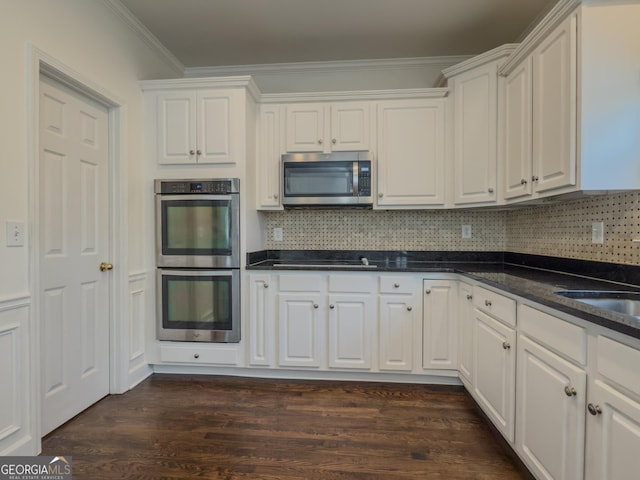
[177,427]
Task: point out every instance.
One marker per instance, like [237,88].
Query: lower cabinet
[550,420]
[465,334]
[495,362]
[351,327]
[261,321]
[439,325]
[300,329]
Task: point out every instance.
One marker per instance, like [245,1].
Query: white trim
[479,60]
[39,63]
[238,81]
[322,67]
[355,95]
[11,303]
[129,19]
[555,16]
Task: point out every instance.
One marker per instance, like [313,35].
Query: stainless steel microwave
[326,180]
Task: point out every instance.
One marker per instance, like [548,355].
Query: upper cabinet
[568,91]
[270,142]
[322,127]
[199,121]
[474,106]
[411,153]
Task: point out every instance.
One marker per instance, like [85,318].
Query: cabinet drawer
[200,354]
[498,306]
[300,283]
[397,284]
[351,283]
[619,363]
[567,339]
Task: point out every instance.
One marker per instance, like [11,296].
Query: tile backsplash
[560,229]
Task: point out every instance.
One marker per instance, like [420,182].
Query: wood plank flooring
[179,426]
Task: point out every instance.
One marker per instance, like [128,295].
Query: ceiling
[209,33]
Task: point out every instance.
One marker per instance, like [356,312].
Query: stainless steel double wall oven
[198,260]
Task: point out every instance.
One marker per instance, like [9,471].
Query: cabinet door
[351,323]
[300,329]
[494,383]
[176,128]
[465,333]
[261,321]
[350,126]
[396,332]
[475,126]
[216,126]
[270,147]
[439,326]
[550,417]
[517,130]
[411,153]
[613,435]
[554,109]
[306,127]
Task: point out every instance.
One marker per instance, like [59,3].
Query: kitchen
[538,230]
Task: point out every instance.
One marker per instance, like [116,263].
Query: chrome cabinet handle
[334,141]
[469,297]
[275,195]
[396,285]
[535,178]
[427,291]
[570,391]
[506,345]
[196,355]
[332,306]
[487,303]
[523,182]
[319,141]
[409,308]
[266,285]
[315,305]
[192,152]
[490,190]
[199,152]
[594,409]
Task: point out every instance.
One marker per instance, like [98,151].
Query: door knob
[104,266]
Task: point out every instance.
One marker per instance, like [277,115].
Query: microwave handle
[356,192]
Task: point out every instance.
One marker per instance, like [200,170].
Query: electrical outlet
[277,234]
[15,234]
[597,233]
[466,231]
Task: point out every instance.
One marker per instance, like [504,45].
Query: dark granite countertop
[531,277]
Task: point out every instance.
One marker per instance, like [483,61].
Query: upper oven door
[197,231]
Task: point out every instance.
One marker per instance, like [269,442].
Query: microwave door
[316,184]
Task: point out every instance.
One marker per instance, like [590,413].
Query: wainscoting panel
[138,308]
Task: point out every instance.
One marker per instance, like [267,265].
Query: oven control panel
[218,186]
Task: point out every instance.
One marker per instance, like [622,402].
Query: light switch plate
[466,231]
[15,234]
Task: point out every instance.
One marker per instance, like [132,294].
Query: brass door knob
[104,266]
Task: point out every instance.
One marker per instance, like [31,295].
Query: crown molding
[550,21]
[323,67]
[129,19]
[362,95]
[238,81]
[479,60]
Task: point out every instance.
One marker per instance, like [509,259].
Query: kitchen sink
[617,301]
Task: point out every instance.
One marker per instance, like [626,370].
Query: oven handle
[163,197]
[187,272]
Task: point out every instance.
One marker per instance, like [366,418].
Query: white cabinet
[197,126]
[397,323]
[613,419]
[301,320]
[567,93]
[550,413]
[321,127]
[439,325]
[465,334]
[474,98]
[270,146]
[352,321]
[411,153]
[262,329]
[495,358]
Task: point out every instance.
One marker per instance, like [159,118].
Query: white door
[73,234]
[300,329]
[439,326]
[350,326]
[396,332]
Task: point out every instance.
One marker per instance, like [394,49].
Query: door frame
[40,64]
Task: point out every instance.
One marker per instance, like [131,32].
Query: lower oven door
[198,305]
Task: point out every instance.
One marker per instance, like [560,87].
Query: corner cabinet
[197,121]
[474,107]
[411,153]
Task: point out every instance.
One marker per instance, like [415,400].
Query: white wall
[88,37]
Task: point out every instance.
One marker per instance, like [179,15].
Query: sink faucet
[364,260]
